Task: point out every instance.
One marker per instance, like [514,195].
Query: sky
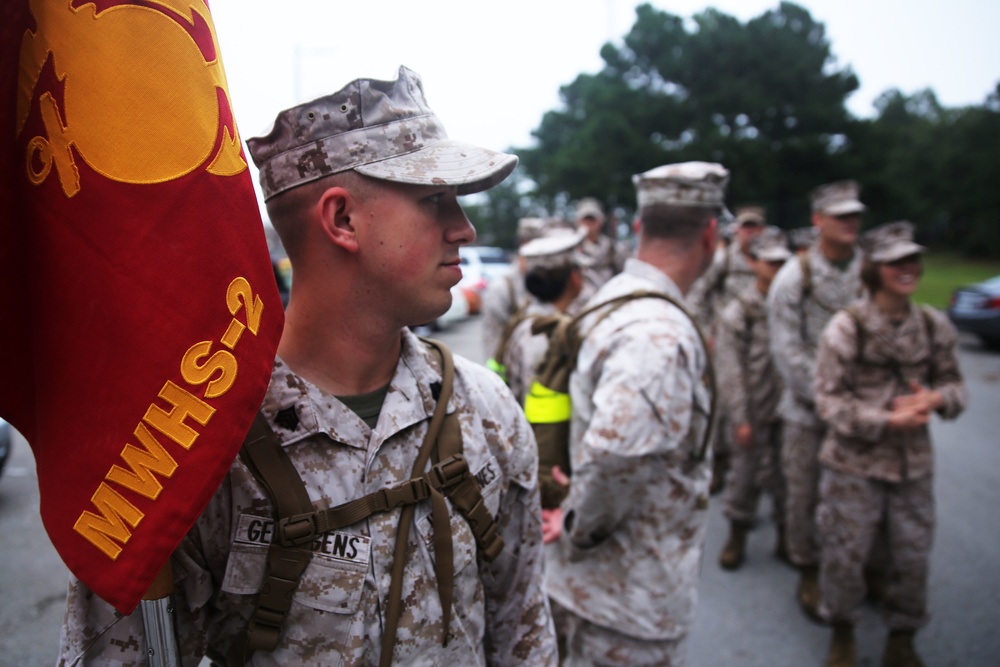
[491,70]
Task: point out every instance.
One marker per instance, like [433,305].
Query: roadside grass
[944,272]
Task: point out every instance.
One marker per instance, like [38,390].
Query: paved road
[747,618]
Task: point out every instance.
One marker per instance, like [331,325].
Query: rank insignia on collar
[287,418]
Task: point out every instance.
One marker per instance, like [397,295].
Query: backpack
[297,523]
[895,366]
[547,405]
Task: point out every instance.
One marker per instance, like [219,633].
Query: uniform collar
[298,409]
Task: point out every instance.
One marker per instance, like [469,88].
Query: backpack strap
[496,362]
[297,524]
[709,376]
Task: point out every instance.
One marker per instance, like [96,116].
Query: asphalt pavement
[747,618]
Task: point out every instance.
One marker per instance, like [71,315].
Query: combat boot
[731,556]
[808,592]
[899,650]
[842,649]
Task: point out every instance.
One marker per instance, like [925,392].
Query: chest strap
[297,524]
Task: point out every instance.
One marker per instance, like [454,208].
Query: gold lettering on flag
[109,528]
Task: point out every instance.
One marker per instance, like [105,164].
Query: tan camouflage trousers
[752,470]
[800,466]
[851,511]
[590,645]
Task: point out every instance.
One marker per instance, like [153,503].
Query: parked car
[976,309]
[5,440]
[458,311]
[480,264]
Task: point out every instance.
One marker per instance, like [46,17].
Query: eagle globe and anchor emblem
[117,65]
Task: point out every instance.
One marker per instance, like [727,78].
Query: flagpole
[158,621]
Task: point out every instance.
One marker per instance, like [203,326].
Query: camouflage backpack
[547,405]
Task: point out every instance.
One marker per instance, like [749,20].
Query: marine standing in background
[749,390]
[505,296]
[804,296]
[728,276]
[554,279]
[884,365]
[602,256]
[362,185]
[631,532]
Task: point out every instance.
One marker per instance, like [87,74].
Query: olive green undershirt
[366,406]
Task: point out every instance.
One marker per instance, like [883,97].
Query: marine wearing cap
[381,129]
[889,242]
[750,215]
[555,249]
[771,245]
[700,184]
[837,199]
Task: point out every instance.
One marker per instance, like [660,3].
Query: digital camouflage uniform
[728,275]
[749,390]
[872,474]
[503,297]
[796,322]
[634,520]
[500,615]
[525,350]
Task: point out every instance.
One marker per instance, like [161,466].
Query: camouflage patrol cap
[685,184]
[382,129]
[889,242]
[529,229]
[750,214]
[588,207]
[554,249]
[770,245]
[836,199]
[803,237]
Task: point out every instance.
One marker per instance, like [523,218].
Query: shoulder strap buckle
[298,529]
[449,472]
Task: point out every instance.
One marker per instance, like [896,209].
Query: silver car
[976,310]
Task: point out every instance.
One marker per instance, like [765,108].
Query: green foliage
[944,272]
[766,99]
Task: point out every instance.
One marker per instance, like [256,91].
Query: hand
[922,398]
[908,417]
[559,477]
[743,435]
[552,523]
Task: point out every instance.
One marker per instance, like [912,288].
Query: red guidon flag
[138,304]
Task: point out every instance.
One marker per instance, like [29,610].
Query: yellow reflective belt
[545,406]
[497,368]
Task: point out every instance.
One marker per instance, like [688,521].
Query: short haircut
[681,223]
[287,209]
[548,284]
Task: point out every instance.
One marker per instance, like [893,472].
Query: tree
[764,98]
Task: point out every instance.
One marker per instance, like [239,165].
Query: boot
[808,592]
[731,556]
[842,649]
[899,650]
[720,466]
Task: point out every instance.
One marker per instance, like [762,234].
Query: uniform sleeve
[703,292]
[836,373]
[793,357]
[731,351]
[497,309]
[94,633]
[519,627]
[638,416]
[947,378]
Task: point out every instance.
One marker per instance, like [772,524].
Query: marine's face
[839,230]
[409,249]
[746,232]
[592,226]
[902,276]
